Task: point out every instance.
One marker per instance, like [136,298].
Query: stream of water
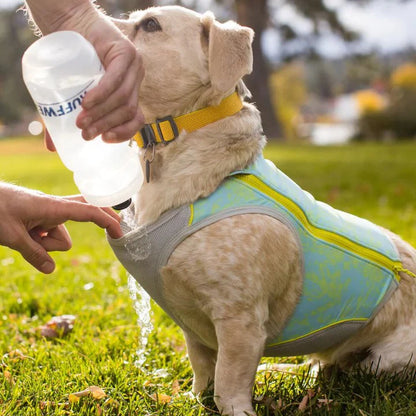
[142,306]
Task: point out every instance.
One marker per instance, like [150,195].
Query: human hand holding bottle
[111,108]
[59,70]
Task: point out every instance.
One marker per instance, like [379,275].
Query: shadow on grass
[359,392]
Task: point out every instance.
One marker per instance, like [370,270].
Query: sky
[389,24]
[4,4]
[386,25]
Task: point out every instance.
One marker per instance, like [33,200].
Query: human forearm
[52,15]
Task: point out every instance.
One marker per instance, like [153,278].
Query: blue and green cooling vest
[350,266]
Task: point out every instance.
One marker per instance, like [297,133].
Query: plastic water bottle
[58,70]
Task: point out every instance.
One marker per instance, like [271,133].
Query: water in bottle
[58,70]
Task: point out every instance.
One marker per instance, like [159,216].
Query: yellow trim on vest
[403,270]
[317,330]
[193,121]
[320,233]
[191,215]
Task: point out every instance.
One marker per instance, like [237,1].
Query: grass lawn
[38,375]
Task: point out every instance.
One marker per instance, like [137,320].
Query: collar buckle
[173,126]
[148,136]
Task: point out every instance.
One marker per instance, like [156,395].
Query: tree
[261,15]
[15,37]
[288,90]
[257,18]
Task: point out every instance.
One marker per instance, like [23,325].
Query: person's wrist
[95,26]
[78,18]
[60,15]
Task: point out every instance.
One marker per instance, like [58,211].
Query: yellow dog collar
[167,129]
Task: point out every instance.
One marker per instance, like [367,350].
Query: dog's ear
[230,55]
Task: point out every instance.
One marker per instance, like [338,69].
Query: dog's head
[190,59]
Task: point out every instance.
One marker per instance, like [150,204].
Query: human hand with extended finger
[33,223]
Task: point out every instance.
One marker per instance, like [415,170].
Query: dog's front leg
[203,361]
[240,346]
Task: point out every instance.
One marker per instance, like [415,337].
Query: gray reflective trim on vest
[316,342]
[155,239]
[160,240]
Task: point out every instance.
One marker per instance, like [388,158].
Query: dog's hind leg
[203,360]
[241,344]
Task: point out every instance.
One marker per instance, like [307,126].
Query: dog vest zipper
[350,265]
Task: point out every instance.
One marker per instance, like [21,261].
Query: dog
[234,281]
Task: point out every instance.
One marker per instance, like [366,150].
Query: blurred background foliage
[300,92]
[395,117]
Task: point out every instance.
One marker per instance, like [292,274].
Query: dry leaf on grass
[58,326]
[176,388]
[73,398]
[95,392]
[15,355]
[8,376]
[304,403]
[161,398]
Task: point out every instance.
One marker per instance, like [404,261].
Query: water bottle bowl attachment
[123,205]
[106,190]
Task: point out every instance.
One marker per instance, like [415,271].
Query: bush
[397,119]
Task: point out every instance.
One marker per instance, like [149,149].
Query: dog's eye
[149,25]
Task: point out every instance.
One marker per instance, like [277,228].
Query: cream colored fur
[235,282]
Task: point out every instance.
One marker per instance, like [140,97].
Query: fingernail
[110,137]
[92,132]
[47,267]
[87,104]
[86,122]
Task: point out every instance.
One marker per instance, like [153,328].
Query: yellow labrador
[235,282]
